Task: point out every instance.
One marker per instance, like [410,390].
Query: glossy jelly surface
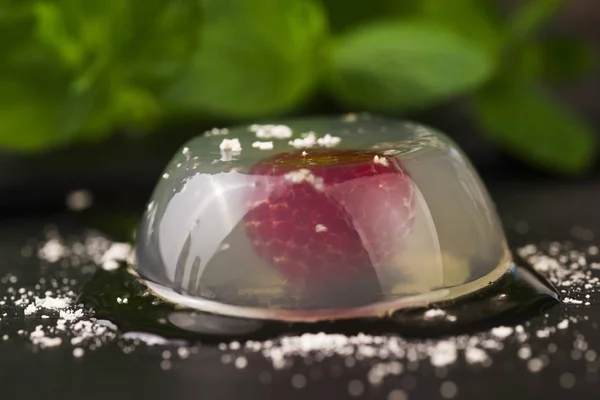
[319,218]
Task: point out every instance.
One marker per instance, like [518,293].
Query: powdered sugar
[271,131]
[232,145]
[116,252]
[306,141]
[309,139]
[329,141]
[305,175]
[263,145]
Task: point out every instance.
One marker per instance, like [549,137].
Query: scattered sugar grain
[329,141]
[306,141]
[564,324]
[502,332]
[568,300]
[567,380]
[241,362]
[356,388]
[165,364]
[149,339]
[263,145]
[380,371]
[183,352]
[78,352]
[298,381]
[79,200]
[474,355]
[397,394]
[535,365]
[232,145]
[271,131]
[524,352]
[448,389]
[214,132]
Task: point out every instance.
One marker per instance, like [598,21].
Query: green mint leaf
[81,70]
[344,14]
[256,57]
[565,59]
[405,66]
[30,119]
[479,20]
[531,17]
[528,123]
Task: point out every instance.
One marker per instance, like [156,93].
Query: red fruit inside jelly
[330,215]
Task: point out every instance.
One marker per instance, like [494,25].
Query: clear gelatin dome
[319,218]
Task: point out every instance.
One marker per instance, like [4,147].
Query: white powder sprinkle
[356,388]
[381,161]
[271,131]
[52,251]
[524,353]
[443,353]
[298,381]
[115,253]
[110,265]
[305,175]
[448,389]
[149,339]
[379,371]
[39,338]
[474,355]
[306,141]
[564,324]
[232,145]
[216,132]
[397,394]
[183,352]
[535,365]
[78,352]
[241,362]
[434,313]
[79,200]
[502,332]
[567,380]
[263,145]
[309,139]
[329,141]
[30,309]
[320,228]
[166,365]
[543,333]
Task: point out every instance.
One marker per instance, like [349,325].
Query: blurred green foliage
[81,70]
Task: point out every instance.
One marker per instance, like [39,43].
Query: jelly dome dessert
[319,218]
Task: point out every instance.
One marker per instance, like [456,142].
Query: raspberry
[329,215]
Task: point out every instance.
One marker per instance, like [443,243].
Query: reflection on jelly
[319,219]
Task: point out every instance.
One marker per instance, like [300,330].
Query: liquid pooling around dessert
[321,218]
